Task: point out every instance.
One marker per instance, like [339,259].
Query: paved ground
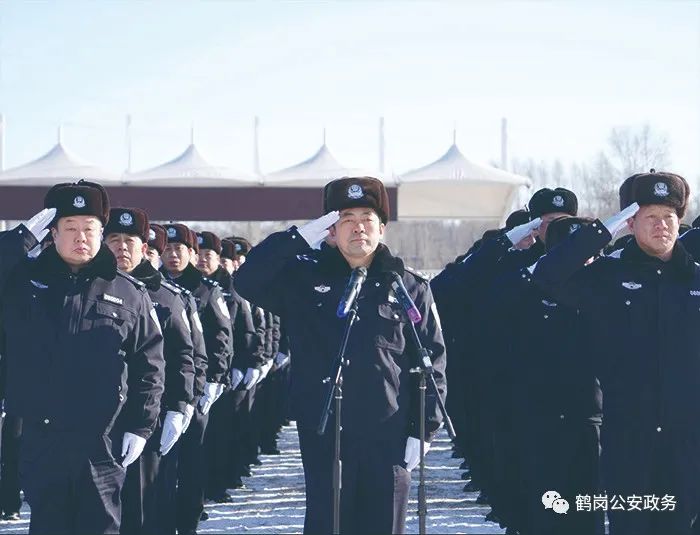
[273,501]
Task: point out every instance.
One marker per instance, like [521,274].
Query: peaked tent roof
[453,165]
[317,171]
[455,187]
[57,165]
[189,169]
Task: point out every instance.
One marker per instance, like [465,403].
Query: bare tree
[636,149]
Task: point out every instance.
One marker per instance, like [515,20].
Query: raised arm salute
[642,305]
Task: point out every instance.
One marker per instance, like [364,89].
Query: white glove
[281,360]
[617,222]
[236,378]
[314,232]
[522,231]
[412,455]
[132,447]
[37,224]
[189,413]
[251,378]
[264,370]
[172,429]
[212,391]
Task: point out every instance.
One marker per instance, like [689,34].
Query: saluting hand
[521,231]
[189,413]
[314,232]
[617,222]
[37,224]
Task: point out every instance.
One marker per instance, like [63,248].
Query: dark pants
[560,456]
[375,487]
[647,462]
[229,421]
[10,500]
[145,494]
[71,480]
[191,475]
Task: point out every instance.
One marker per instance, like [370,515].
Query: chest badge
[322,288]
[632,285]
[695,293]
[39,285]
[112,299]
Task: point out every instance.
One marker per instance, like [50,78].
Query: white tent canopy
[454,187]
[189,169]
[57,165]
[317,171]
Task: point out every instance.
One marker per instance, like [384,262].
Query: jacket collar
[681,263]
[190,279]
[332,261]
[49,264]
[146,273]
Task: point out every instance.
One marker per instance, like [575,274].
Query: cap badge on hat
[126,220]
[172,232]
[200,240]
[661,189]
[574,227]
[151,234]
[558,201]
[238,247]
[79,202]
[355,191]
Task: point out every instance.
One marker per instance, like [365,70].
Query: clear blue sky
[563,73]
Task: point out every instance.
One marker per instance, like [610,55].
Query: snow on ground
[273,500]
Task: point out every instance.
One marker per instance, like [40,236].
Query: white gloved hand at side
[173,427]
[264,370]
[251,378]
[236,378]
[281,360]
[212,391]
[522,231]
[617,222]
[412,455]
[314,232]
[132,447]
[189,413]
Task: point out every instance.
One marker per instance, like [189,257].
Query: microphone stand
[335,391]
[425,369]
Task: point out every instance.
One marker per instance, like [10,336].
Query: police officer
[157,240]
[126,235]
[642,307]
[229,418]
[547,401]
[178,266]
[380,439]
[89,388]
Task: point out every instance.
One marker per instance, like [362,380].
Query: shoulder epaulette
[210,282]
[174,289]
[307,258]
[419,275]
[133,280]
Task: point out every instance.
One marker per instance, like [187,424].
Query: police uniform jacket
[545,357]
[177,337]
[215,319]
[283,275]
[248,340]
[82,349]
[644,314]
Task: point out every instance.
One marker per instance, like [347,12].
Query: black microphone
[357,278]
[406,302]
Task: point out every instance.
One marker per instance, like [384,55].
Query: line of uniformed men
[223,375]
